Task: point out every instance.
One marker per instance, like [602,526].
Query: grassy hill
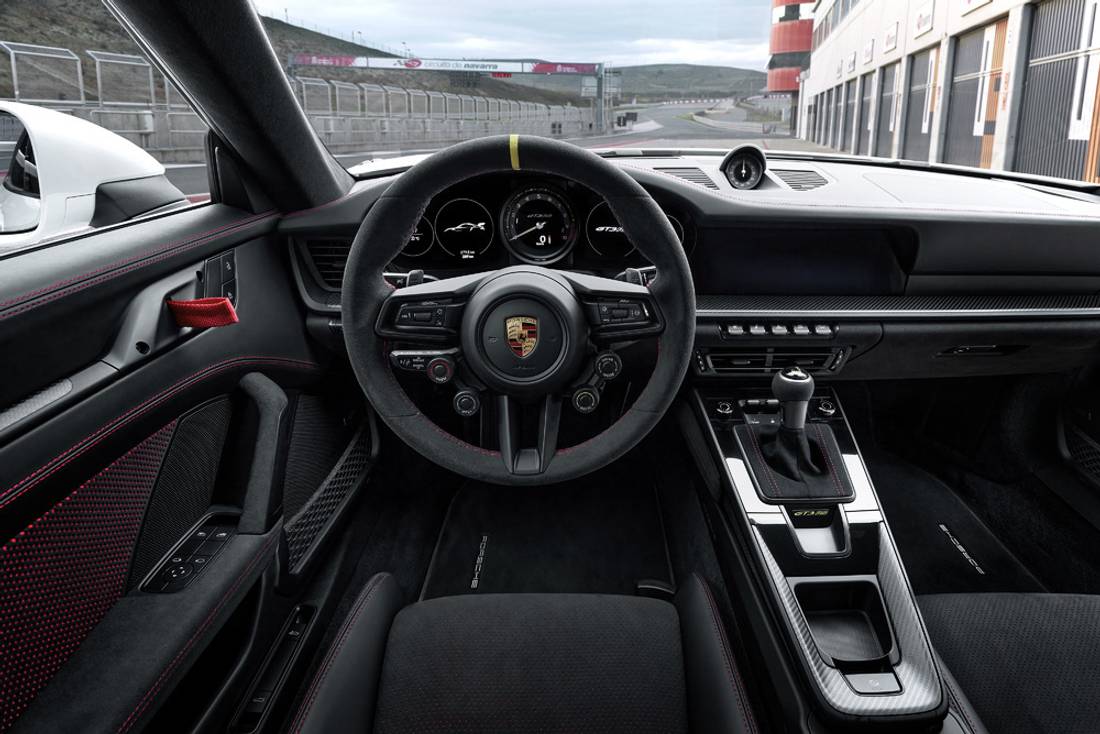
[657,82]
[288,39]
[79,25]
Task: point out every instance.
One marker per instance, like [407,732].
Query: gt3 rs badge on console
[523,334]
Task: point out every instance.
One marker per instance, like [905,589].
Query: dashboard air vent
[329,258]
[765,360]
[695,175]
[800,180]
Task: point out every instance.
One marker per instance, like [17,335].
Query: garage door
[923,95]
[887,111]
[1057,114]
[849,115]
[975,92]
[838,115]
[863,145]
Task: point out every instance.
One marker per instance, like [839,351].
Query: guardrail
[134,101]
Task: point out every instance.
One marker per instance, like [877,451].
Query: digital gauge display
[464,229]
[421,239]
[538,226]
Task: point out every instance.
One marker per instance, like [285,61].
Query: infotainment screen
[803,261]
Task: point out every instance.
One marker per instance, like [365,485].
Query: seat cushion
[1027,662]
[534,662]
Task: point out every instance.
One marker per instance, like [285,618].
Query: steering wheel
[527,333]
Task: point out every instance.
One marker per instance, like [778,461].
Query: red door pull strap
[204,313]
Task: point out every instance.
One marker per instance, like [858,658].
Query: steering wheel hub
[524,331]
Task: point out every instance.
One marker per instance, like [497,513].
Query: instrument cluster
[497,220]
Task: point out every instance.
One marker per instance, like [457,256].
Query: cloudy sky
[623,32]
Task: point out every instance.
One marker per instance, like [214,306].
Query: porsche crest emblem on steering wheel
[523,334]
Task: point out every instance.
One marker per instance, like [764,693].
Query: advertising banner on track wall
[416,64]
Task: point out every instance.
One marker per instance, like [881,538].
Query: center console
[822,549]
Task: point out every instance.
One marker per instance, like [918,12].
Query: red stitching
[143,704]
[731,668]
[194,241]
[322,673]
[828,461]
[31,480]
[767,470]
[343,197]
[460,442]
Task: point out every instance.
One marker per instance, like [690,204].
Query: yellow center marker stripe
[513,151]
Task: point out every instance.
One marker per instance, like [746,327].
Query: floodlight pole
[601,118]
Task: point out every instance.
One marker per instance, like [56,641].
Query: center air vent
[800,180]
[695,175]
[765,360]
[329,257]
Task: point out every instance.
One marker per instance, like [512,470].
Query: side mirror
[20,202]
[63,175]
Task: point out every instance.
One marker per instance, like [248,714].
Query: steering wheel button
[440,370]
[585,400]
[609,365]
[466,403]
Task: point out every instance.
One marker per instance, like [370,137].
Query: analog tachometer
[538,225]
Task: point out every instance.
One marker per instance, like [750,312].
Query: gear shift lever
[794,462]
[790,452]
[793,387]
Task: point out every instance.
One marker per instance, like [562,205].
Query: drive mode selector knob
[608,365]
[440,370]
[466,403]
[586,400]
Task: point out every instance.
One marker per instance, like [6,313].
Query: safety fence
[129,97]
[957,101]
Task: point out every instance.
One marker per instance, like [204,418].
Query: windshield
[929,81]
[601,75]
[1003,85]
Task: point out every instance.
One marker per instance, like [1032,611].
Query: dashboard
[858,269]
[497,220]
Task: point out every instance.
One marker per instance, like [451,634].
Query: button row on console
[735,330]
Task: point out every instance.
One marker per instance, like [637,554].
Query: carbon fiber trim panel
[920,681]
[908,307]
[36,402]
[303,530]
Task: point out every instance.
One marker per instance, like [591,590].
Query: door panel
[99,486]
[60,304]
[61,573]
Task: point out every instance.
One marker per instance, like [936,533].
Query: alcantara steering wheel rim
[370,308]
